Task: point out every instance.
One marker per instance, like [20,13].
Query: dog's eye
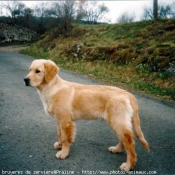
[37,71]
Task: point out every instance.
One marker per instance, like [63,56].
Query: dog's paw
[115,149]
[57,145]
[62,154]
[112,149]
[125,167]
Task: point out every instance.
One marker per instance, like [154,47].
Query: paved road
[27,134]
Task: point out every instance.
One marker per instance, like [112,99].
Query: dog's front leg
[58,145]
[67,133]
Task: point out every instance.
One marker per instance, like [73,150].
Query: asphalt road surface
[27,134]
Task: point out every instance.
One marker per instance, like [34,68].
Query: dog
[69,101]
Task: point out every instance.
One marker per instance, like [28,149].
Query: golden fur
[68,101]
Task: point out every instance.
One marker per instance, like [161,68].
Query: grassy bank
[136,56]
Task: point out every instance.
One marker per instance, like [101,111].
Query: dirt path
[15,48]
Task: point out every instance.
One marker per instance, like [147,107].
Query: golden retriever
[68,101]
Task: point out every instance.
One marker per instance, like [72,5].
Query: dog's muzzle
[27,81]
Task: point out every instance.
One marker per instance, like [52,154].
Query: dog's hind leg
[120,119]
[125,136]
[129,144]
[67,129]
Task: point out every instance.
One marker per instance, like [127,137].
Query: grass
[123,76]
[133,56]
[35,52]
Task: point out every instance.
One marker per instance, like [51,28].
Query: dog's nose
[27,81]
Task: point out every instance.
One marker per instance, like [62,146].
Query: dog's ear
[51,70]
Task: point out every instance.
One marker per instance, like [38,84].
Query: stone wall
[11,32]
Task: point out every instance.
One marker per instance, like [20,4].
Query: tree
[0,9]
[39,13]
[155,9]
[13,7]
[126,18]
[19,10]
[39,9]
[173,10]
[147,13]
[68,13]
[64,11]
[28,20]
[92,12]
[164,11]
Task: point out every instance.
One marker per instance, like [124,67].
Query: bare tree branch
[126,18]
[91,12]
[13,7]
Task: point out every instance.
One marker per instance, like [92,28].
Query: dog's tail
[136,125]
[138,132]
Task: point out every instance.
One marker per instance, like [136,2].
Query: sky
[118,7]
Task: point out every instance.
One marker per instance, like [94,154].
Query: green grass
[35,52]
[133,56]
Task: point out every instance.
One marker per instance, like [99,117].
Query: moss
[139,60]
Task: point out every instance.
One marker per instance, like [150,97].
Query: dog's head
[41,72]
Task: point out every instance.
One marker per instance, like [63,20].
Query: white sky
[118,7]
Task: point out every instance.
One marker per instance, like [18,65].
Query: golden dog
[68,101]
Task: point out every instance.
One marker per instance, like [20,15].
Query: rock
[9,33]
[171,68]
